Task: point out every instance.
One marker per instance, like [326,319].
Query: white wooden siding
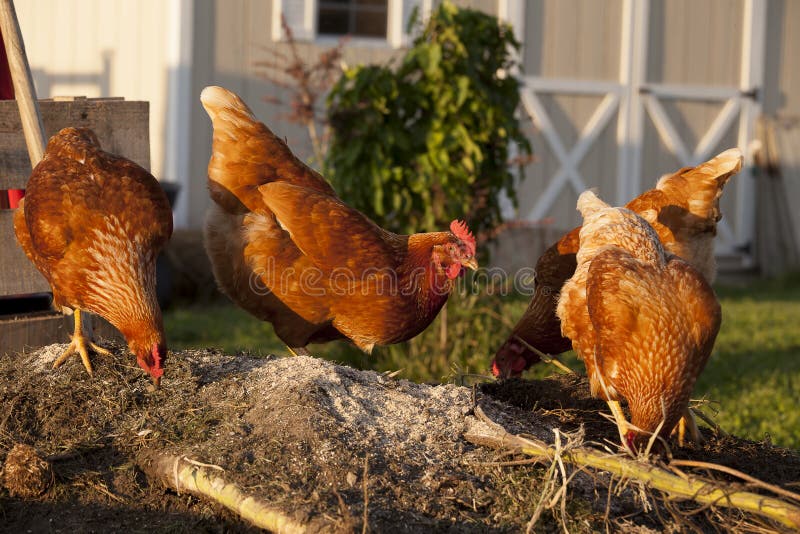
[782,88]
[100,48]
[236,35]
[127,48]
[695,41]
[576,39]
[621,92]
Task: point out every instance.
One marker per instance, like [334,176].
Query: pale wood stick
[24,91]
[198,478]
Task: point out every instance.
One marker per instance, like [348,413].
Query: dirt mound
[314,439]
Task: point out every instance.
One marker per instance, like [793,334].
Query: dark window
[362,18]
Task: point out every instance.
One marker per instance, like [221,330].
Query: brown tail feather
[707,181]
[246,155]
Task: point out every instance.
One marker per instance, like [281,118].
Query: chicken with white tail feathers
[642,320]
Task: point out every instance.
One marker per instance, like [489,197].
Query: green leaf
[437,119]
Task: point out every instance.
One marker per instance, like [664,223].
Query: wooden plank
[18,276]
[695,41]
[121,126]
[34,330]
[572,86]
[30,331]
[573,39]
[782,77]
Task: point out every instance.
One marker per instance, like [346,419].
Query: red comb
[460,230]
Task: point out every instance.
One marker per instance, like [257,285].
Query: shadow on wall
[778,191]
[776,58]
[52,83]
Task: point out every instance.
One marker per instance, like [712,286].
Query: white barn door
[641,108]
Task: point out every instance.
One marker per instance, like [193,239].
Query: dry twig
[735,472]
[309,83]
[710,422]
[365,489]
[547,358]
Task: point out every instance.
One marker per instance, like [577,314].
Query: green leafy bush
[418,145]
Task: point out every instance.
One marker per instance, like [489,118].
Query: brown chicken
[684,211]
[285,248]
[642,320]
[93,224]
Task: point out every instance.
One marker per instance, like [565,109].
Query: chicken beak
[156,381]
[471,263]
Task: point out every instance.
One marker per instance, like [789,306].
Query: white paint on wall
[101,48]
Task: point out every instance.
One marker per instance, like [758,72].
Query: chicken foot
[80,345]
[688,421]
[619,417]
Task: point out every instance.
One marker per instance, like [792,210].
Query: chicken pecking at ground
[93,224]
[285,248]
[684,211]
[642,320]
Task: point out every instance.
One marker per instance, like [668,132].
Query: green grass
[754,371]
[753,375]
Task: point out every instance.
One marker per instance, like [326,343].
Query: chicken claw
[619,417]
[687,420]
[80,345]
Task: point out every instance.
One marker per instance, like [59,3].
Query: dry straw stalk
[704,492]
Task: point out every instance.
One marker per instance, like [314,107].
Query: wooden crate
[122,128]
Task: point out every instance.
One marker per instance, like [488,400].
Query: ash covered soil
[317,441]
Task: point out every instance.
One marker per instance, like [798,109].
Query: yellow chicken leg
[619,417]
[79,345]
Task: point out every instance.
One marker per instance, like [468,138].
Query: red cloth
[14,196]
[6,85]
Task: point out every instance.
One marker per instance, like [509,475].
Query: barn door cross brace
[570,161]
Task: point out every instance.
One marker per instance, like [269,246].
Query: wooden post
[23,82]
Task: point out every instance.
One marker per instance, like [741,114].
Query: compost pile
[332,448]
